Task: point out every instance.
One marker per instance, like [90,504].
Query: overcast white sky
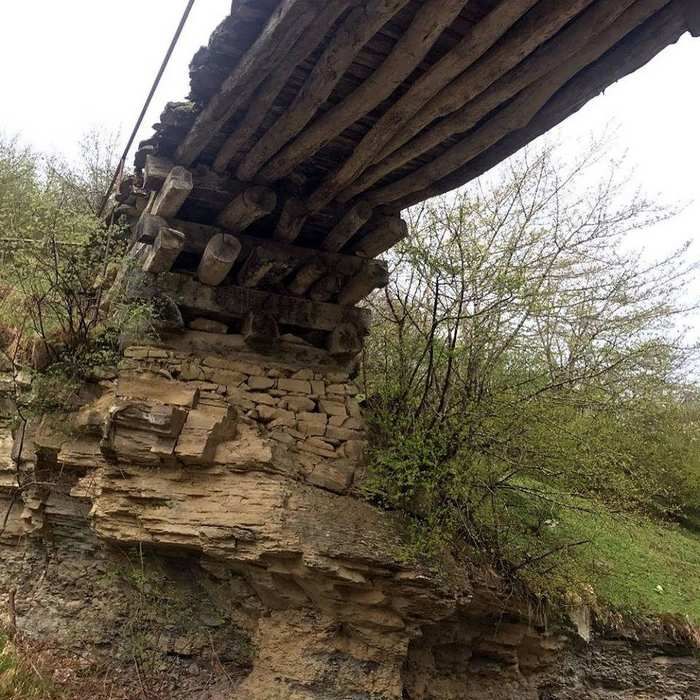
[72,64]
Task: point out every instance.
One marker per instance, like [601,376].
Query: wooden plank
[361,24]
[237,302]
[167,245]
[291,220]
[386,233]
[354,219]
[375,276]
[656,33]
[520,111]
[242,137]
[572,39]
[474,44]
[218,259]
[175,190]
[250,205]
[428,24]
[286,25]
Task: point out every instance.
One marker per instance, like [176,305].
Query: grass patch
[632,564]
[18,679]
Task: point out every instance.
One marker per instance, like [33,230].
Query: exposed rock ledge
[201,505]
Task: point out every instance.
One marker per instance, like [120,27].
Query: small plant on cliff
[524,363]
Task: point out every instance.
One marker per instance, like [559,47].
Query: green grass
[632,564]
[18,680]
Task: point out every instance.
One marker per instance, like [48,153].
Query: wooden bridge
[263,200]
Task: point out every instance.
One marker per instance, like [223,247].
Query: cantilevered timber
[250,205]
[155,171]
[327,287]
[472,46]
[147,228]
[241,139]
[360,25]
[386,233]
[344,341]
[374,276]
[218,259]
[175,190]
[290,20]
[291,220]
[353,220]
[168,244]
[660,30]
[570,40]
[433,17]
[233,302]
[199,235]
[520,111]
[260,264]
[307,276]
[260,329]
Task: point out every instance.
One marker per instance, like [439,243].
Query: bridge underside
[312,123]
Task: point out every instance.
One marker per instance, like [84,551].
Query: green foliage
[18,679]
[521,361]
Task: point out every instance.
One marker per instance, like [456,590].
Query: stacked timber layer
[312,123]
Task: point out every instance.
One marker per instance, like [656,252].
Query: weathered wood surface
[226,302]
[387,232]
[430,21]
[345,111]
[576,36]
[520,111]
[246,208]
[662,30]
[287,24]
[374,276]
[218,259]
[175,190]
[356,30]
[168,244]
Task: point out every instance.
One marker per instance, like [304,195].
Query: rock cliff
[200,508]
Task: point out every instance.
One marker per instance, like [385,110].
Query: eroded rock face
[220,488]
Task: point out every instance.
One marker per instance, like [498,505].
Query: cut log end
[218,260]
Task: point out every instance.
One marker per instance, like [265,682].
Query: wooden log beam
[520,111]
[167,245]
[327,287]
[386,233]
[155,171]
[290,20]
[291,220]
[344,341]
[361,24]
[476,42]
[175,190]
[306,277]
[375,276]
[250,205]
[433,17]
[354,219]
[260,329]
[218,259]
[242,138]
[659,31]
[570,40]
[198,236]
[233,302]
[261,264]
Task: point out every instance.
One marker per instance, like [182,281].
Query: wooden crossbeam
[471,47]
[175,190]
[570,40]
[218,259]
[233,302]
[290,20]
[246,208]
[356,30]
[428,24]
[659,31]
[167,245]
[520,111]
[242,138]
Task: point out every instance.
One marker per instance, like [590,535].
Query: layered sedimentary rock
[219,485]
